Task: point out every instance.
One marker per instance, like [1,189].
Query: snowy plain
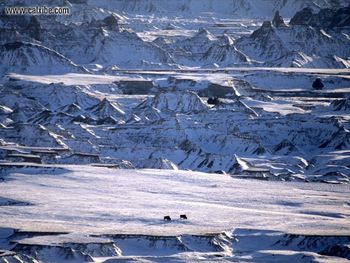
[233,219]
[102,200]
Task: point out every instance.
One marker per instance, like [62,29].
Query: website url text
[36,10]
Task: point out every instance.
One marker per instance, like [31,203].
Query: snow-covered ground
[127,111]
[101,200]
[108,203]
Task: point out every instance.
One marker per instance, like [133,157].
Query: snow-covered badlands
[234,114]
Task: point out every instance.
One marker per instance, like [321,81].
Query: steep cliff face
[24,57]
[296,45]
[51,45]
[325,18]
[101,39]
[177,129]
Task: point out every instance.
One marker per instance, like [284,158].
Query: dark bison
[213,101]
[318,85]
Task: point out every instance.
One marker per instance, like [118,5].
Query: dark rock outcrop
[326,18]
[263,30]
[302,17]
[341,105]
[112,23]
[34,28]
[278,20]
